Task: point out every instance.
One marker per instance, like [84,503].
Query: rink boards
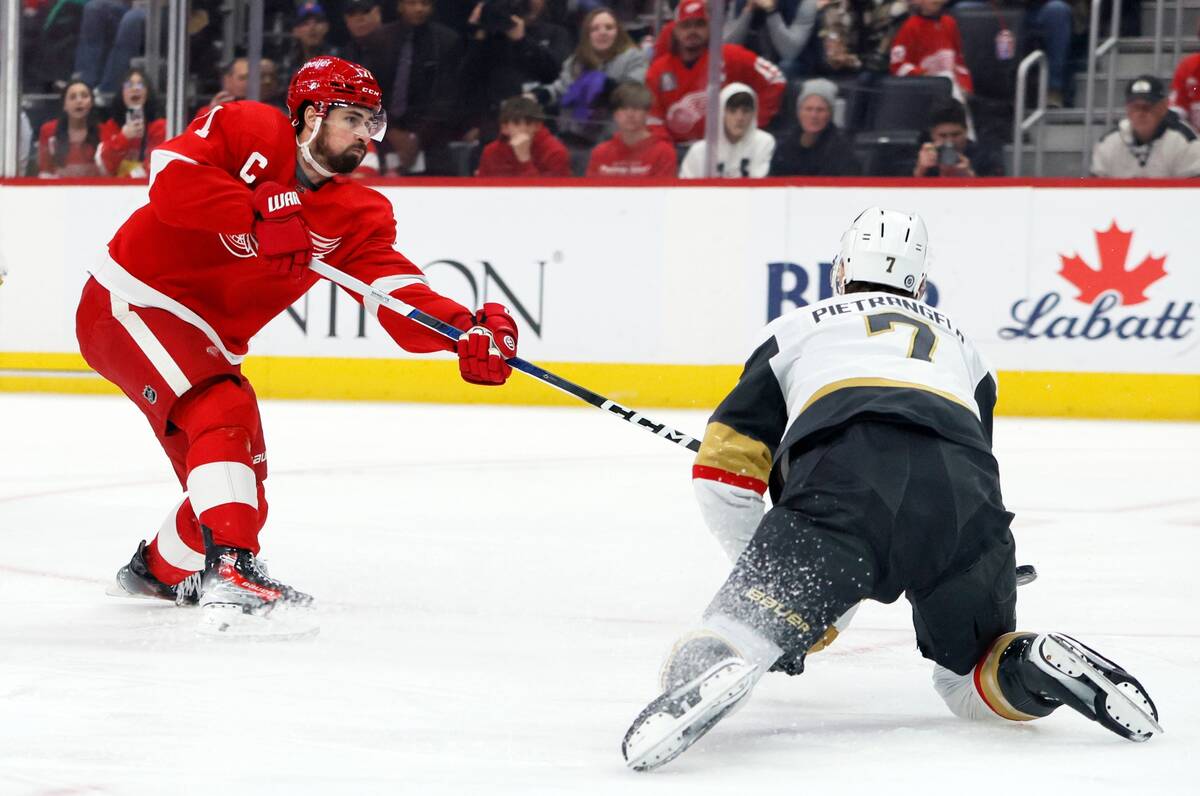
[1085,299]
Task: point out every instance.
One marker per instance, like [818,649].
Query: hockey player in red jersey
[239,205]
[679,79]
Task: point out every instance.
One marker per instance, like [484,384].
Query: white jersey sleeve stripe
[389,284]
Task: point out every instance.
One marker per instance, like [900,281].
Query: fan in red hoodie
[928,43]
[525,147]
[633,151]
[679,79]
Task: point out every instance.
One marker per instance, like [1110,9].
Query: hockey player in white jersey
[868,416]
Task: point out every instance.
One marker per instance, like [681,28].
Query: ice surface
[498,587]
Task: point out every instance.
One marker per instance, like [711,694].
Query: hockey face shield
[358,119]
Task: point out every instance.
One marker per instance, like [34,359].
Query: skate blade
[224,621]
[677,735]
[1118,702]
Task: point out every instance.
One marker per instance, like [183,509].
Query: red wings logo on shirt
[246,246]
[687,112]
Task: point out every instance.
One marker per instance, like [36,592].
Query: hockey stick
[541,374]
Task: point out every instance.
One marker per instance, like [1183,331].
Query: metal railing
[1177,42]
[1022,124]
[1108,50]
[10,86]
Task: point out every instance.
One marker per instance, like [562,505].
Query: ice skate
[1066,670]
[239,599]
[134,580]
[704,681]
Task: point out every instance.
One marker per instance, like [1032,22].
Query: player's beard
[340,163]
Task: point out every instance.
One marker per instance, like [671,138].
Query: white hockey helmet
[887,247]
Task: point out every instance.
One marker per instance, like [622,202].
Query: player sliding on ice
[869,416]
[239,205]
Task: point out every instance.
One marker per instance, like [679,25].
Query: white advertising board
[1053,279]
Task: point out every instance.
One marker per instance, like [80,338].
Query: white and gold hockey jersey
[860,356]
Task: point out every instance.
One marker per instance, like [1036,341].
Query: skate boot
[703,681]
[1057,669]
[134,580]
[238,598]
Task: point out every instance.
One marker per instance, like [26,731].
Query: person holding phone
[949,152]
[135,129]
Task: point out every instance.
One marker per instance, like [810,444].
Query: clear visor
[358,119]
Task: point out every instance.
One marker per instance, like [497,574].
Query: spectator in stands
[948,152]
[67,144]
[928,43]
[678,79]
[136,128]
[1151,141]
[106,35]
[858,34]
[525,147]
[310,38]
[604,57]
[235,82]
[416,61]
[1048,28]
[1185,90]
[817,148]
[778,30]
[362,17]
[742,149]
[507,53]
[633,151]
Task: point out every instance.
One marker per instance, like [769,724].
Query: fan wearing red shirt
[633,151]
[679,79]
[239,205]
[928,43]
[1185,90]
[525,147]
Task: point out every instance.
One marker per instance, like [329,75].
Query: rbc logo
[787,283]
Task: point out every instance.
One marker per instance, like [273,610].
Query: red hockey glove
[283,240]
[483,348]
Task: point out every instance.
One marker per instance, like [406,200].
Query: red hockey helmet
[327,82]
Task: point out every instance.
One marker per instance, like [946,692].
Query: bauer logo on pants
[761,598]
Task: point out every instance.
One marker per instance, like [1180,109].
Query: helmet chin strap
[307,155]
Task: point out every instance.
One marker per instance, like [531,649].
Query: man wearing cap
[310,38]
[817,148]
[1151,141]
[679,78]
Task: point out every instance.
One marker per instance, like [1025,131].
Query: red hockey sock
[178,549]
[222,487]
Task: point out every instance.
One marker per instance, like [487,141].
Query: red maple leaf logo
[1113,246]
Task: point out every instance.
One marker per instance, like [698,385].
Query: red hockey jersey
[680,91]
[931,46]
[1185,90]
[191,250]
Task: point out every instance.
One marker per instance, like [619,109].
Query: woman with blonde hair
[605,57]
